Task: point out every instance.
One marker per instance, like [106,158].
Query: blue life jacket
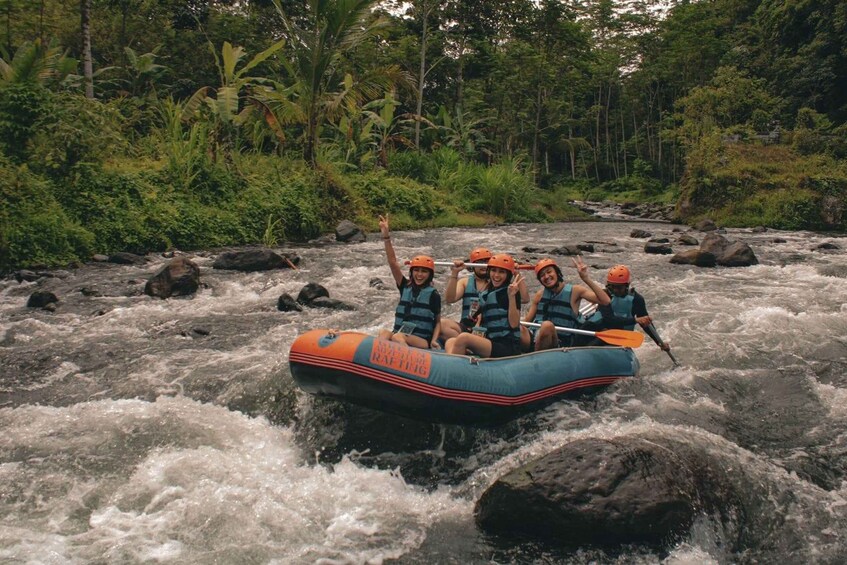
[495,317]
[622,307]
[471,294]
[415,309]
[557,309]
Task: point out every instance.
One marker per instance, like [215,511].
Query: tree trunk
[87,66]
[421,75]
[538,98]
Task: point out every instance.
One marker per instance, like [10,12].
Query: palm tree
[236,87]
[335,27]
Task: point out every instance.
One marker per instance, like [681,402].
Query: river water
[138,430]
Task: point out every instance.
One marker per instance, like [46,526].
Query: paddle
[624,338]
[472,265]
[650,330]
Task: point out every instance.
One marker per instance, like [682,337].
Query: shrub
[75,130]
[34,229]
[386,194]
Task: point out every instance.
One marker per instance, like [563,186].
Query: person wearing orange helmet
[557,304]
[626,308]
[417,318]
[497,330]
[467,289]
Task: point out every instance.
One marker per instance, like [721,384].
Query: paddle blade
[624,338]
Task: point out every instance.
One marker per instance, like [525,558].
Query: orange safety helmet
[424,261]
[618,274]
[480,254]
[503,261]
[543,264]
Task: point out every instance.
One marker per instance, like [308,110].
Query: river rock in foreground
[610,492]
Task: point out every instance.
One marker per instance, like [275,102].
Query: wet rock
[536,250]
[378,284]
[759,229]
[41,298]
[310,292]
[566,250]
[595,492]
[348,232]
[779,240]
[695,257]
[286,303]
[658,248]
[255,260]
[100,258]
[640,234]
[659,240]
[686,239]
[331,303]
[706,225]
[738,254]
[645,488]
[26,276]
[587,247]
[728,254]
[180,277]
[90,291]
[825,246]
[124,258]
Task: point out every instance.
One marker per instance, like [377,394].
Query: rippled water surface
[142,430]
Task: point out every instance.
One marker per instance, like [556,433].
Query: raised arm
[514,310]
[594,293]
[396,271]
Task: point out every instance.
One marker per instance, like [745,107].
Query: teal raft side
[519,375]
[451,389]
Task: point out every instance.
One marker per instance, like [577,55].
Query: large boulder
[595,492]
[715,249]
[255,260]
[179,277]
[348,232]
[738,254]
[728,253]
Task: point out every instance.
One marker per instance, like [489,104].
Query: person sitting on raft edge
[557,304]
[499,315]
[625,309]
[417,318]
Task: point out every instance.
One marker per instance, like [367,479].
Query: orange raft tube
[433,386]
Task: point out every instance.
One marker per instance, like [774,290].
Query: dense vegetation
[148,124]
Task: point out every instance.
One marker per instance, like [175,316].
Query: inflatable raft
[452,389]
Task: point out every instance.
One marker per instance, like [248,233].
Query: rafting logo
[402,358]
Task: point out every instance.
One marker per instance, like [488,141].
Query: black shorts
[505,348]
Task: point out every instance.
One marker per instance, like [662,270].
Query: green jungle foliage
[215,122]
